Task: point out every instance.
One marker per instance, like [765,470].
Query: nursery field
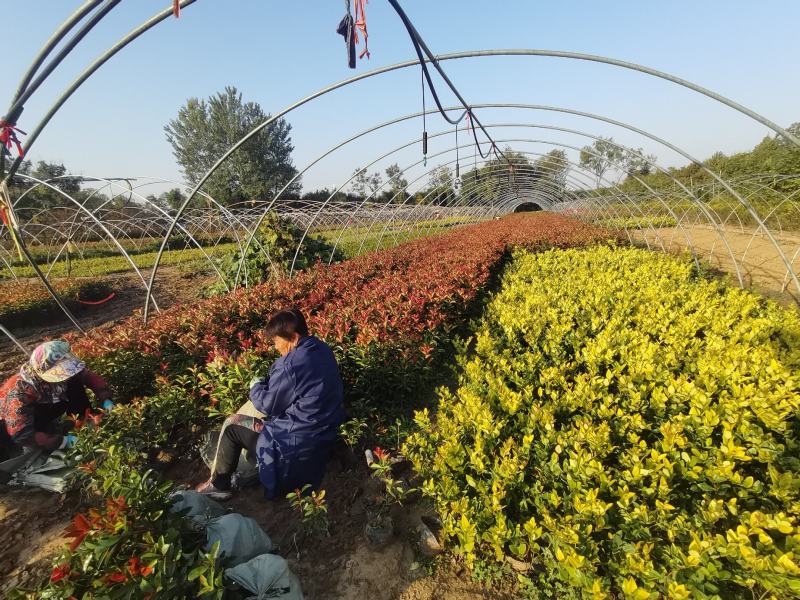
[569,416]
[760,264]
[95,259]
[95,270]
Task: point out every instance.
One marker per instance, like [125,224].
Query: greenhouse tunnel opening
[528,207]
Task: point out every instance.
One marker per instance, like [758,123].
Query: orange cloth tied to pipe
[361,25]
[8,136]
[176,8]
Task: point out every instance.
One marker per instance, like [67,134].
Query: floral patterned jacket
[19,397]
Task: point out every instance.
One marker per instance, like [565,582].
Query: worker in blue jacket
[302,399]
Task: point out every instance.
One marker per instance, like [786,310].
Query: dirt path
[32,527]
[759,262]
[173,286]
[342,566]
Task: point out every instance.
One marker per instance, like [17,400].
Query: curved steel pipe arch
[577,56]
[341,187]
[91,214]
[470,192]
[578,168]
[557,54]
[538,107]
[508,198]
[625,149]
[562,145]
[98,222]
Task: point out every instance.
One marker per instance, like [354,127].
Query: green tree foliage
[271,254]
[440,186]
[638,163]
[773,155]
[321,195]
[174,199]
[205,129]
[43,196]
[398,183]
[601,155]
[487,181]
[365,184]
[554,168]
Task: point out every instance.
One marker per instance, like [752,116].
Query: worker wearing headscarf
[52,383]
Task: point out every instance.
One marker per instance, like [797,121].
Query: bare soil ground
[759,262]
[172,286]
[341,566]
[32,527]
[345,565]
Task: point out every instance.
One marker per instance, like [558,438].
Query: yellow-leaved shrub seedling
[627,427]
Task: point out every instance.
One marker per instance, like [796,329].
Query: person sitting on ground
[302,401]
[51,384]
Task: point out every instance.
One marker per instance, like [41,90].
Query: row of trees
[486,181]
[774,155]
[204,130]
[51,196]
[605,154]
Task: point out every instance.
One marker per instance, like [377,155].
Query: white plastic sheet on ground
[37,468]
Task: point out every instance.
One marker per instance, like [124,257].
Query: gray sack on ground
[267,576]
[240,538]
[202,509]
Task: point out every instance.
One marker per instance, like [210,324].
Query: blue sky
[279,52]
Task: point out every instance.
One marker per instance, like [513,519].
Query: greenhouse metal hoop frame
[507,200]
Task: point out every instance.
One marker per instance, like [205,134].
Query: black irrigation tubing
[420,46]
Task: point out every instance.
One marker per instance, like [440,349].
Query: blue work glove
[108,405]
[255,380]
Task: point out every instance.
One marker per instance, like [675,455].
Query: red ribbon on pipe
[4,216]
[176,8]
[8,136]
[361,24]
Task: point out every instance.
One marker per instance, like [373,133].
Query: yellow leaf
[629,586]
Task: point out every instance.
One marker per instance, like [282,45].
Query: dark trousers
[45,415]
[234,439]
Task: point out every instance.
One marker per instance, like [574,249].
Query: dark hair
[285,323]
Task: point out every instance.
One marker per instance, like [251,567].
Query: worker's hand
[108,405]
[68,441]
[257,380]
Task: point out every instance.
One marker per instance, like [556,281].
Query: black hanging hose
[424,122]
[419,46]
